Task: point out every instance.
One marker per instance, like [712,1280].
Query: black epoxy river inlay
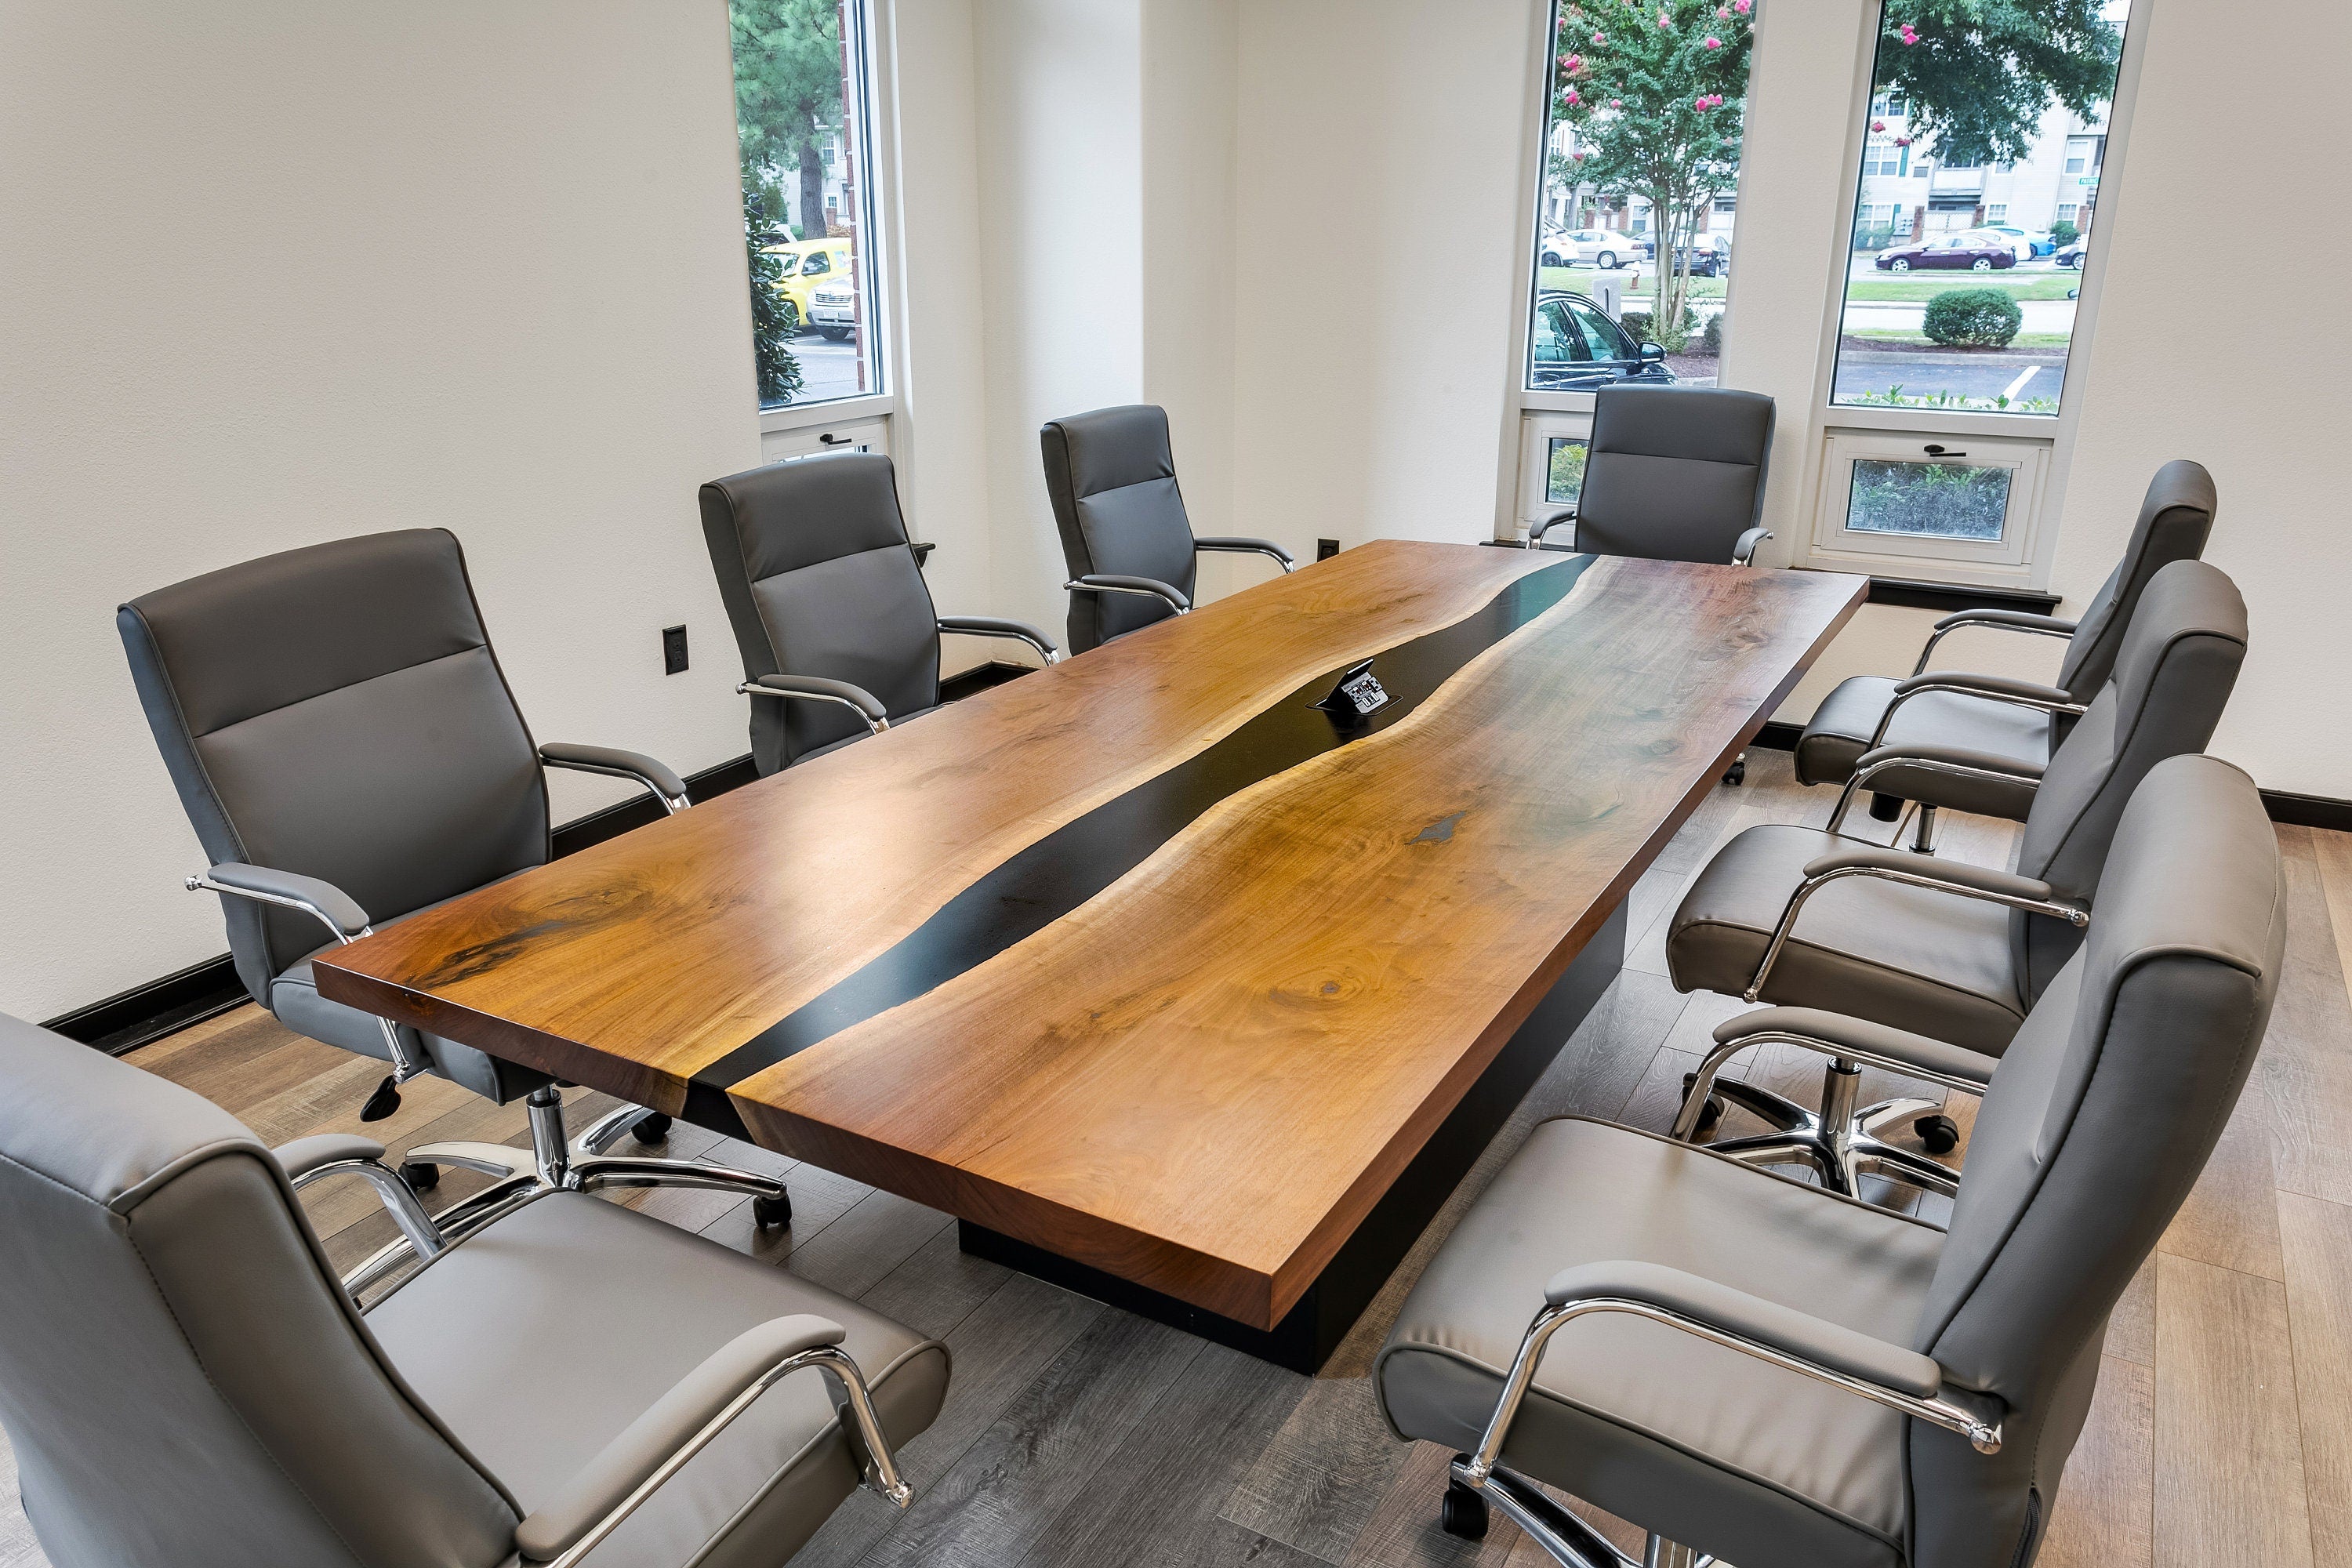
[1070,865]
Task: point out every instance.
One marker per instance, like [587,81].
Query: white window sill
[838,411]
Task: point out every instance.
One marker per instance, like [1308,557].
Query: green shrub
[1973,318]
[1636,324]
[1713,336]
[2063,233]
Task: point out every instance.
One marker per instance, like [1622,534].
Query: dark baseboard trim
[2308,810]
[145,1014]
[1951,596]
[640,809]
[980,678]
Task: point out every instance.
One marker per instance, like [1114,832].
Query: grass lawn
[2022,340]
[1918,287]
[1579,280]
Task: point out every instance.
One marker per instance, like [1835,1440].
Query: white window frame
[2003,562]
[1828,469]
[879,256]
[1538,430]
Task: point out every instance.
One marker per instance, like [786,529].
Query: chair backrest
[819,580]
[1674,473]
[1112,476]
[2179,662]
[2175,517]
[337,711]
[184,1382]
[2095,1128]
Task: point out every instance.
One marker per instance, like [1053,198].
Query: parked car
[1602,247]
[832,308]
[2028,243]
[1709,254]
[1975,250]
[808,264]
[1577,348]
[2071,256]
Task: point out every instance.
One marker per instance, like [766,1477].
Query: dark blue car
[1577,349]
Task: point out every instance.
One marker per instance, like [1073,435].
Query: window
[1909,339]
[803,117]
[1563,470]
[1892,494]
[1641,122]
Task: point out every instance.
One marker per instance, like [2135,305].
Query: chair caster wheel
[1939,1135]
[1463,1513]
[1736,774]
[422,1175]
[654,1129]
[1713,1114]
[767,1213]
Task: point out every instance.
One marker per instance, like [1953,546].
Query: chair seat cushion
[1932,963]
[538,1340]
[1766,1468]
[1839,732]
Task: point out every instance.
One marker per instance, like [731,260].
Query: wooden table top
[1138,958]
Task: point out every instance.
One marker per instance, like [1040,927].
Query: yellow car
[807,265]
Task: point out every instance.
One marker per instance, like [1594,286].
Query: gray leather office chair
[346,747]
[1672,473]
[1808,918]
[1129,546]
[1993,715]
[839,637]
[186,1384]
[1780,1377]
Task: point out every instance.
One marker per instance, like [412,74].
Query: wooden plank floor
[1076,1434]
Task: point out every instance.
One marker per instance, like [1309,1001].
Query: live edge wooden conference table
[1168,984]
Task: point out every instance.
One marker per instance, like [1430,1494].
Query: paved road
[827,369]
[1965,375]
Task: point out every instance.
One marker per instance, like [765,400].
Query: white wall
[278,273]
[1381,149]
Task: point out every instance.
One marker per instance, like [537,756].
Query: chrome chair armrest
[682,1423]
[657,776]
[331,907]
[1913,871]
[1106,583]
[1950,761]
[1235,543]
[1536,531]
[1995,620]
[1991,688]
[1743,553]
[1887,1374]
[996,626]
[816,689]
[307,1160]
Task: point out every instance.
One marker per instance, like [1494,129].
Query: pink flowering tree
[1654,89]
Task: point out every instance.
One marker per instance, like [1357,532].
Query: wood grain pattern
[2229,1456]
[2318,1237]
[633,964]
[1318,968]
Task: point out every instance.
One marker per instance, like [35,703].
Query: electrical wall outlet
[673,650]
[1325,548]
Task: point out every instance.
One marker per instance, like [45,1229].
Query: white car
[2025,242]
[1604,247]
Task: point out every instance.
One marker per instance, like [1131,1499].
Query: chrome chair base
[1839,1141]
[557,1162]
[1565,1539]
